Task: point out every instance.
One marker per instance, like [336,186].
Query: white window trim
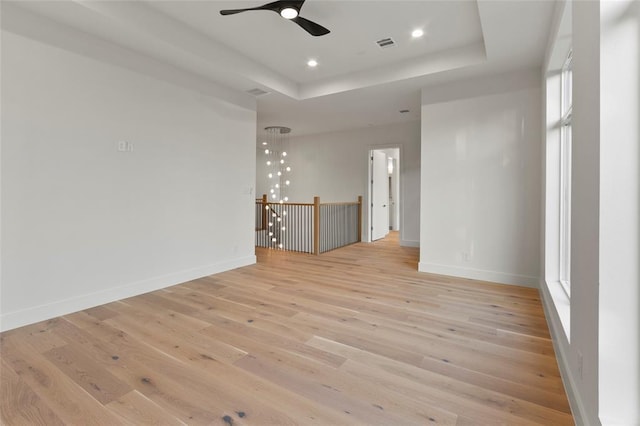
[566,95]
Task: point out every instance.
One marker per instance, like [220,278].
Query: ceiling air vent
[386,42]
[257,92]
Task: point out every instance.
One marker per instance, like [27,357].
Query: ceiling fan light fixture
[289,12]
[288,9]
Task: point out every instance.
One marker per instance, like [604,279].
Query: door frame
[380,207]
[367,207]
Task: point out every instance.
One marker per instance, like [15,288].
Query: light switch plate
[124,146]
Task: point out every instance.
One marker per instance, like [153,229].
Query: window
[565,175]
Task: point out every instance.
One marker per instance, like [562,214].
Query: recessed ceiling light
[289,13]
[312,63]
[417,33]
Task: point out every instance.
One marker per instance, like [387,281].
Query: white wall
[619,304]
[335,167]
[600,358]
[84,224]
[582,341]
[481,179]
[584,205]
[571,339]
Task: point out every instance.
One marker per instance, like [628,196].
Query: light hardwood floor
[354,336]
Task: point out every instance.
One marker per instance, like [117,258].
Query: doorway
[384,192]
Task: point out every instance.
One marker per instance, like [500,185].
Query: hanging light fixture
[278,171]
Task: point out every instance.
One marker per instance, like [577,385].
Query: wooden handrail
[316,215]
[271,209]
[346,203]
[264,211]
[264,200]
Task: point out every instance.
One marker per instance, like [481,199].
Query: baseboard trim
[557,337]
[47,311]
[479,274]
[409,243]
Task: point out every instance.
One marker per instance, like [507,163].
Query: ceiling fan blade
[311,27]
[275,6]
[233,11]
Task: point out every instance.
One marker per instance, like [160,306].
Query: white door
[379,196]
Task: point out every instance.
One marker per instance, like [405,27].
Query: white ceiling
[350,47]
[356,84]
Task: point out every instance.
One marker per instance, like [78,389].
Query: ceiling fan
[289,10]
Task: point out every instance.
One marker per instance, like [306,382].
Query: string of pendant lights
[278,172]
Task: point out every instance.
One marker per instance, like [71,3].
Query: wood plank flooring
[352,337]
